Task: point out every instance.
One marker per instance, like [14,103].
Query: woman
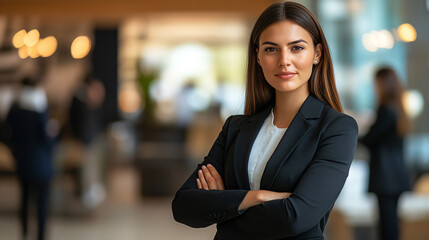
[388,177]
[275,172]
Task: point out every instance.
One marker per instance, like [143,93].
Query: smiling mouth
[285,76]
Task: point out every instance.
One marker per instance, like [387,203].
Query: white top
[265,143]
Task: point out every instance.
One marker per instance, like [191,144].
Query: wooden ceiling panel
[118,9]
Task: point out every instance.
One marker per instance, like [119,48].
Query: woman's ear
[317,54]
[257,58]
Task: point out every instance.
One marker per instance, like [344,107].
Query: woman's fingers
[202,179]
[199,186]
[209,178]
[211,181]
[216,176]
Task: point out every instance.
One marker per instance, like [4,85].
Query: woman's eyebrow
[269,43]
[297,41]
[290,43]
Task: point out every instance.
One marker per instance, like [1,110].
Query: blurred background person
[85,126]
[388,176]
[31,143]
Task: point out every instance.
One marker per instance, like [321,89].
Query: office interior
[171,73]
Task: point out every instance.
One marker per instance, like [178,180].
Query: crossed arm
[209,179]
[202,202]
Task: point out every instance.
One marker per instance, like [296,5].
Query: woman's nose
[284,59]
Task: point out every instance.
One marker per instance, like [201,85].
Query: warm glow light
[23,52]
[368,43]
[47,46]
[386,39]
[413,103]
[373,38]
[407,32]
[31,38]
[18,38]
[33,52]
[129,101]
[378,39]
[80,47]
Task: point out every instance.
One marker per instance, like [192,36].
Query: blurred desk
[414,214]
[7,165]
[358,208]
[162,166]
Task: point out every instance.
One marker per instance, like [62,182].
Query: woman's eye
[270,49]
[297,48]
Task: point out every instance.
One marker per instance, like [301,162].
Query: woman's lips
[285,75]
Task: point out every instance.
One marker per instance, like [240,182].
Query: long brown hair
[322,81]
[390,93]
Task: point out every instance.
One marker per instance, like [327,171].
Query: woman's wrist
[260,196]
[251,199]
[256,197]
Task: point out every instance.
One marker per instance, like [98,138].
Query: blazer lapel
[245,139]
[298,128]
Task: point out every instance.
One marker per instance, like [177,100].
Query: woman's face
[286,55]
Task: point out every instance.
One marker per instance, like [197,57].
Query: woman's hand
[209,178]
[257,197]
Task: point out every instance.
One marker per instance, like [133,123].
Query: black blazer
[30,144]
[387,172]
[311,161]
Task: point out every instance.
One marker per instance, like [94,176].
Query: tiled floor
[151,219]
[123,216]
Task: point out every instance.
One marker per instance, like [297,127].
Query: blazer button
[209,216]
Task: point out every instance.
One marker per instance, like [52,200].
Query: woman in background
[388,176]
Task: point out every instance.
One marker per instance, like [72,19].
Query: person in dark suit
[388,176]
[31,144]
[276,171]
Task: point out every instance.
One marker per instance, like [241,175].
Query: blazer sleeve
[314,195]
[383,125]
[200,208]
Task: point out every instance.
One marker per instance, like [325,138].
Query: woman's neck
[286,107]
